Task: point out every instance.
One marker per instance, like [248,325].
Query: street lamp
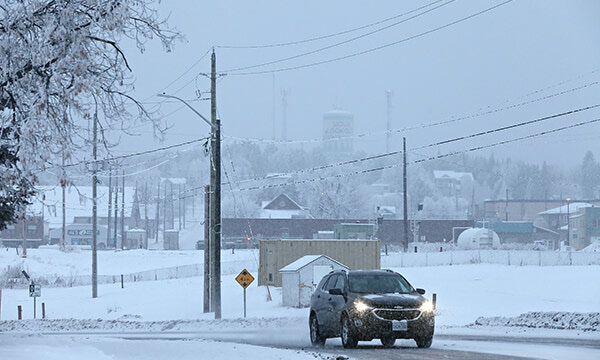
[568,222]
[213,250]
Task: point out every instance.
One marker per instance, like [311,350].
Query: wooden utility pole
[63,185]
[157,217]
[207,256]
[116,207]
[405,195]
[108,242]
[146,198]
[216,195]
[123,212]
[94,212]
[24,234]
[179,207]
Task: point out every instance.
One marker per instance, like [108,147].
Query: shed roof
[304,261]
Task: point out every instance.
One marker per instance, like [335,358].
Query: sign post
[35,290]
[244,279]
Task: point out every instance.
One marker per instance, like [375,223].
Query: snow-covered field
[476,298]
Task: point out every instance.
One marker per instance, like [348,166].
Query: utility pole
[24,234]
[405,197]
[94,212]
[146,198]
[388,133]
[207,222]
[179,207]
[183,206]
[116,207]
[63,185]
[284,95]
[157,217]
[216,196]
[172,199]
[123,212]
[108,242]
[506,207]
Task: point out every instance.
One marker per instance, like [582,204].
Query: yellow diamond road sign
[244,278]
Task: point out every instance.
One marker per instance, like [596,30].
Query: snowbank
[546,320]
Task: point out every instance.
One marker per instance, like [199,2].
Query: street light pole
[214,243]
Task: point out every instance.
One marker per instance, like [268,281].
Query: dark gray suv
[370,304]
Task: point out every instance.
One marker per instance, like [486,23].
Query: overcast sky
[492,61]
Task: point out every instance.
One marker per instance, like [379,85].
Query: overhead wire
[440,156]
[230,72]
[341,42]
[424,125]
[435,144]
[323,37]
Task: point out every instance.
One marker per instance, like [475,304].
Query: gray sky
[495,59]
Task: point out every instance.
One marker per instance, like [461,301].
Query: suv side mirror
[421,291]
[336,292]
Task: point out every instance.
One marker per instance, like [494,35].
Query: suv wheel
[424,342]
[349,340]
[388,341]
[315,335]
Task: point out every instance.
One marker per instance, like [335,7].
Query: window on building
[10,229]
[31,229]
[270,277]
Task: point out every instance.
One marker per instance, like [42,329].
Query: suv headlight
[427,306]
[361,306]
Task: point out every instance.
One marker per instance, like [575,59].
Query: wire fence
[65,280]
[502,257]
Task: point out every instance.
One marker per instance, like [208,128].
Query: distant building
[452,183]
[584,227]
[338,130]
[522,232]
[33,226]
[527,210]
[283,207]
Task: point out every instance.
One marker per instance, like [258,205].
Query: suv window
[379,284]
[331,282]
[340,283]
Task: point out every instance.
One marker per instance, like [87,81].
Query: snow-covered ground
[471,298]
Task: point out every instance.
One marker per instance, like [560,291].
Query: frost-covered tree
[61,62]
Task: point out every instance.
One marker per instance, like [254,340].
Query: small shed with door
[301,277]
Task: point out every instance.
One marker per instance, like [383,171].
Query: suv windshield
[378,284]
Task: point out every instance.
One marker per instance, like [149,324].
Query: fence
[176,272]
[503,257]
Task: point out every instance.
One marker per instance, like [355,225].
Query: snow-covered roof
[570,208]
[304,261]
[449,174]
[282,202]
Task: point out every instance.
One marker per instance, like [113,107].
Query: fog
[491,61]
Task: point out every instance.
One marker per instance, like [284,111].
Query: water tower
[338,130]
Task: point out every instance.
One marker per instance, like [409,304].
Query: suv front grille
[397,314]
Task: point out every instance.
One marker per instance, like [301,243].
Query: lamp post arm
[188,105]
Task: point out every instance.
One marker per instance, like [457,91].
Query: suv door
[338,303]
[325,312]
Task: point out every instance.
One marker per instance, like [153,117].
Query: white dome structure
[478,238]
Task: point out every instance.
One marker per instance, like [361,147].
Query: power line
[329,35]
[341,42]
[359,172]
[424,125]
[444,142]
[85,162]
[375,48]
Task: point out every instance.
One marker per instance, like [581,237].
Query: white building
[300,278]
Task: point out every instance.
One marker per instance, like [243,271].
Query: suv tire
[348,335]
[316,338]
[388,341]
[424,342]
